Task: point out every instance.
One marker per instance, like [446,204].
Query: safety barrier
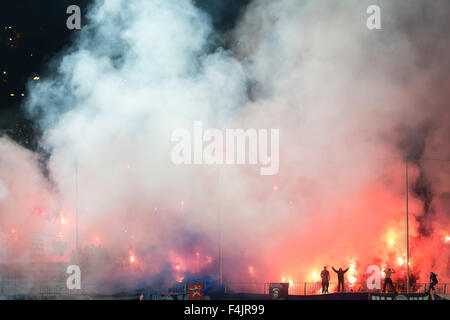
[310,288]
[58,288]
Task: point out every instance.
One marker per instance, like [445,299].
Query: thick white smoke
[3,191]
[337,91]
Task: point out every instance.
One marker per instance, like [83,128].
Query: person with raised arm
[340,274]
[388,280]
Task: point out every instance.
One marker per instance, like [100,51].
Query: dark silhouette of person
[433,282]
[388,280]
[340,274]
[325,275]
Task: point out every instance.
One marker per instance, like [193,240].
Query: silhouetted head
[389,269]
[325,268]
[340,269]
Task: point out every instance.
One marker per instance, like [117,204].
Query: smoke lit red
[102,190]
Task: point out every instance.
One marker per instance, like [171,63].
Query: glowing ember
[447,238]
[63,220]
[400,261]
[251,270]
[132,259]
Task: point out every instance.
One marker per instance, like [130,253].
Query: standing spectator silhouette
[388,280]
[340,274]
[433,282]
[325,275]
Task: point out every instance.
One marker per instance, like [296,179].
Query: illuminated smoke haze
[349,103]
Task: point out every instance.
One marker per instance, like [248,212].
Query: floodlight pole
[76,210]
[407,226]
[219,226]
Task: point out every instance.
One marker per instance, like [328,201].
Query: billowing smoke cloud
[349,103]
[3,191]
[353,92]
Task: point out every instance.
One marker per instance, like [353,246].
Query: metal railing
[58,288]
[311,288]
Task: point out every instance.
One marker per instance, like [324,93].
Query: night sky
[32,33]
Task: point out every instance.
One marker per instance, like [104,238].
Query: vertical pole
[76,210]
[219,226]
[407,226]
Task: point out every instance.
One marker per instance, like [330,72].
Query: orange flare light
[251,270]
[315,276]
